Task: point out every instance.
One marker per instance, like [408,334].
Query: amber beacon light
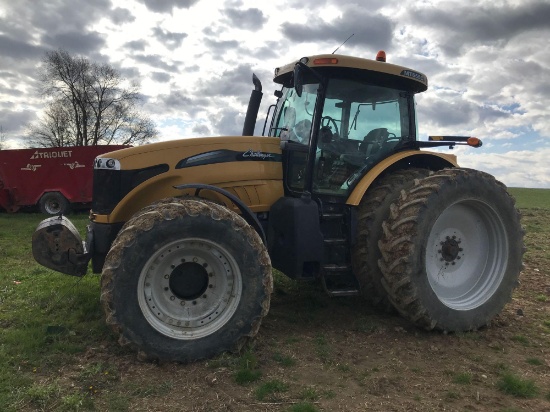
[381,56]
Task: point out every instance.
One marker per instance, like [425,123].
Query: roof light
[326,60]
[381,56]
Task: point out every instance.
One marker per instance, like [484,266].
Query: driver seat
[373,141]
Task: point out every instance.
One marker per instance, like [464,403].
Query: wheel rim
[466,254]
[53,206]
[189,288]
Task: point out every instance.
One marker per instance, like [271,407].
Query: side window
[295,114]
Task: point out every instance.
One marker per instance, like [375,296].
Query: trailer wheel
[452,250]
[54,203]
[186,280]
[373,210]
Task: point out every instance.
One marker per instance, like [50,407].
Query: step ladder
[337,275]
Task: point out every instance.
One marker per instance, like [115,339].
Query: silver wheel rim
[189,288]
[466,254]
[52,206]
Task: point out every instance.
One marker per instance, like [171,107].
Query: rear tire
[185,280]
[373,210]
[452,250]
[54,203]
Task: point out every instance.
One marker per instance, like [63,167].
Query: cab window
[361,124]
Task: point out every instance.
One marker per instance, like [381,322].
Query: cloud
[462,25]
[249,19]
[11,120]
[169,39]
[120,16]
[235,82]
[367,28]
[156,61]
[166,6]
[75,42]
[160,77]
[17,49]
[136,45]
[514,168]
[228,122]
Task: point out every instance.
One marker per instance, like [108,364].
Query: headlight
[105,163]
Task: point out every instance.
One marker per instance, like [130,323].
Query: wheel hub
[188,281]
[450,249]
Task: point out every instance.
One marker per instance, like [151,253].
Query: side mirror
[298,79]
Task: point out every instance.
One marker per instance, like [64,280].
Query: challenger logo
[227,156]
[258,155]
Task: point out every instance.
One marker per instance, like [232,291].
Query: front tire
[452,250]
[186,280]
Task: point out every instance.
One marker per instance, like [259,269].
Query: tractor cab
[338,116]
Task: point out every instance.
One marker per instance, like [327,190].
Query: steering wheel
[326,120]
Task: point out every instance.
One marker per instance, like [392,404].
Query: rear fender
[401,160]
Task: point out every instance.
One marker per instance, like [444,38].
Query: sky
[487,63]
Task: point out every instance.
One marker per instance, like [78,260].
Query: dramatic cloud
[367,28]
[491,23]
[488,65]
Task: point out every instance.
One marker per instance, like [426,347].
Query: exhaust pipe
[253,107]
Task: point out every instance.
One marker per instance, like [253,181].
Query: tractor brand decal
[227,156]
[51,155]
[414,75]
[258,155]
[74,165]
[31,168]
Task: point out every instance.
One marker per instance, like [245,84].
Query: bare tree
[88,104]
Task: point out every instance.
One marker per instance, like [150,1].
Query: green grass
[464,378]
[46,318]
[247,371]
[521,339]
[531,198]
[303,407]
[534,361]
[269,389]
[514,385]
[284,360]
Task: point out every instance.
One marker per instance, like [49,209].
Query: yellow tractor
[185,233]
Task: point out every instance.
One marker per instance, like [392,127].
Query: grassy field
[313,352]
[531,198]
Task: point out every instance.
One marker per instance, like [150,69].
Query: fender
[401,160]
[247,214]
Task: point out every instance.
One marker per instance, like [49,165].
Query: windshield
[295,114]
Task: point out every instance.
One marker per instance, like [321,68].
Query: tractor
[338,189]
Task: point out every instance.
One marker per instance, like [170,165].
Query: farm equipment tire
[374,209]
[54,203]
[185,280]
[452,250]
